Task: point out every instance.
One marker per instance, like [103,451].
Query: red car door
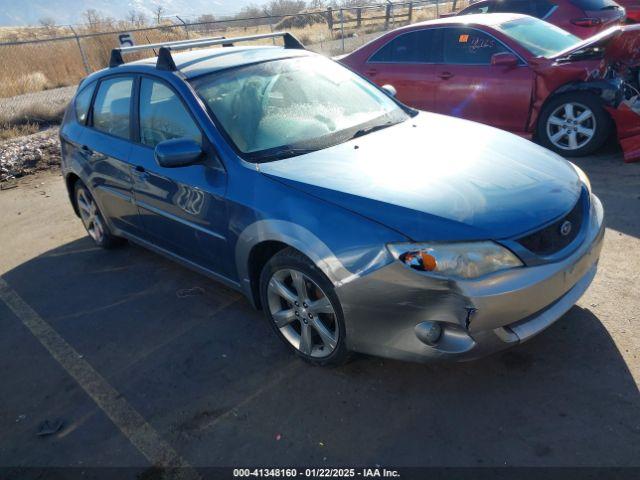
[470,87]
[406,62]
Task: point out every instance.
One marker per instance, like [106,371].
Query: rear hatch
[599,13]
[619,44]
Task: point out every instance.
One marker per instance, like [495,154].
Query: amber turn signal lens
[420,261]
[428,262]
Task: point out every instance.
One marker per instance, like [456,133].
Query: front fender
[341,243]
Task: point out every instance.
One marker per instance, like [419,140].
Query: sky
[30,12]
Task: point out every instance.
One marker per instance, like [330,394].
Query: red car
[517,73]
[632,8]
[583,18]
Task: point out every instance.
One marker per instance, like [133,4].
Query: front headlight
[582,176]
[461,260]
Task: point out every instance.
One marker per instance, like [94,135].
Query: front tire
[92,218]
[574,124]
[301,305]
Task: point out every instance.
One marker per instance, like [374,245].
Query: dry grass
[40,113]
[8,131]
[35,67]
[42,66]
[28,120]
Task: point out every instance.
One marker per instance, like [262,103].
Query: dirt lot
[142,372]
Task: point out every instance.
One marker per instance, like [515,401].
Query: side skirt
[183,261]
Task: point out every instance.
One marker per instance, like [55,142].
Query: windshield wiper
[284,152]
[366,131]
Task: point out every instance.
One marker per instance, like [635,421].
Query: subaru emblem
[565,228]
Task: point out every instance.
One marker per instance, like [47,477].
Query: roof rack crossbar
[116,53]
[165,60]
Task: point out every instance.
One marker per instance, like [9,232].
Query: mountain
[29,12]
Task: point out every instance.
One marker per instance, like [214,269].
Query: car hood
[435,177]
[621,44]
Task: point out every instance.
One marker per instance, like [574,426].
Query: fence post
[359,17]
[393,16]
[266,12]
[184,24]
[85,62]
[330,19]
[453,8]
[387,14]
[342,28]
[410,14]
[437,9]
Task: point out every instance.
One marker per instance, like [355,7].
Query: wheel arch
[260,240]
[70,181]
[608,91]
[259,255]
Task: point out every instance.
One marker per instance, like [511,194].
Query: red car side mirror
[504,59]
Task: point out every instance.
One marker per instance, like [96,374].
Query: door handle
[445,75]
[372,72]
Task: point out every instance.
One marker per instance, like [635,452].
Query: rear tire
[92,218]
[574,124]
[302,307]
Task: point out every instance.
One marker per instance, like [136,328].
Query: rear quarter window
[83,102]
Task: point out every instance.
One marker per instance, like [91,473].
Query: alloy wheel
[571,126]
[90,216]
[303,313]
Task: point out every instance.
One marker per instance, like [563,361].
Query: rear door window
[535,8]
[112,107]
[543,8]
[412,47]
[163,116]
[466,46]
[595,5]
[525,7]
[487,7]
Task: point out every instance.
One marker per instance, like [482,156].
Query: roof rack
[165,60]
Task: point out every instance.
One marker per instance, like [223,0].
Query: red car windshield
[539,37]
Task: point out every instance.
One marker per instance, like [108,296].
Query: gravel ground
[55,97]
[24,155]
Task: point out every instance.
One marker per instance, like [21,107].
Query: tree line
[95,20]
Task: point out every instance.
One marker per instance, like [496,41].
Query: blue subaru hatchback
[354,222]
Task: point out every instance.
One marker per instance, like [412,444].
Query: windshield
[539,37]
[287,107]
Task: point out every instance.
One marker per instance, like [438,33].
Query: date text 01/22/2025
[316,472]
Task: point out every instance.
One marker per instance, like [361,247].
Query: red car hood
[621,44]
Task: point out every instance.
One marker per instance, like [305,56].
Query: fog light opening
[429,332]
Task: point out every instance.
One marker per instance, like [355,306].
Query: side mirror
[504,59]
[178,152]
[390,90]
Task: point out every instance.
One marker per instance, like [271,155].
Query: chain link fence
[39,75]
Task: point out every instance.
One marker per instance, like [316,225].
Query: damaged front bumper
[627,120]
[384,309]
